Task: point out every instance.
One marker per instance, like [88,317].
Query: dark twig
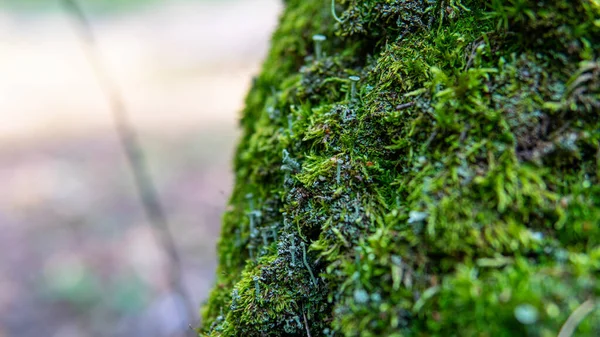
[135,156]
[405,105]
[306,324]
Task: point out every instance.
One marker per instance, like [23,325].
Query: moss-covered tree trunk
[423,168]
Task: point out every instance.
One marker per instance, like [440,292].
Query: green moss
[457,194]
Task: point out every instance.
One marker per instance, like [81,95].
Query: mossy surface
[454,192]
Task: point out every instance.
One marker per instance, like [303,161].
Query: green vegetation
[456,192]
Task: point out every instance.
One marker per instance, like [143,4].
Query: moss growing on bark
[451,188]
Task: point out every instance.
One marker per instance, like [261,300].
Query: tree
[418,168]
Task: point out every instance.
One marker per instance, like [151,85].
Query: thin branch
[135,155]
[405,105]
[306,324]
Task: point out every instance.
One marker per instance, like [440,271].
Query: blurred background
[77,254]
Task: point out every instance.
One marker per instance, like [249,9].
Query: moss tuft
[433,171]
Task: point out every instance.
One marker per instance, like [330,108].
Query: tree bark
[418,168]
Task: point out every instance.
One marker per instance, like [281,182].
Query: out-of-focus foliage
[454,191]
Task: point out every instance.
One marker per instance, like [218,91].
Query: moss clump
[457,192]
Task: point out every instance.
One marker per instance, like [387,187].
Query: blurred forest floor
[77,257]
